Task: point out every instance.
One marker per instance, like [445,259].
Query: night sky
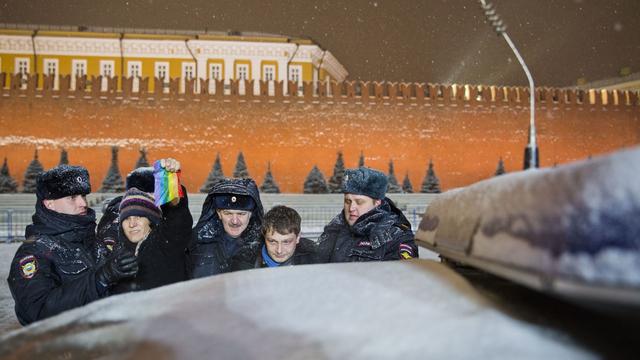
[435,41]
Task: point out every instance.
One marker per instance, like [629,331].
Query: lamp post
[531,151]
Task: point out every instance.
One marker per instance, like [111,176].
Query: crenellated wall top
[364,92]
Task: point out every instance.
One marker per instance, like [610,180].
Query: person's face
[358,205]
[281,247]
[70,205]
[136,228]
[234,221]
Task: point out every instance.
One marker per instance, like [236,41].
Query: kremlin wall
[464,130]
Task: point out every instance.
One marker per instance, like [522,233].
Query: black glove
[122,264]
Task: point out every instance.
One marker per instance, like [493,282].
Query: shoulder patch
[30,240]
[406,252]
[28,266]
[109,243]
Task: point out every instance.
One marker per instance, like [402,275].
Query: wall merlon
[346,91]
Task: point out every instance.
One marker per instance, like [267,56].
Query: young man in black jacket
[54,269]
[282,244]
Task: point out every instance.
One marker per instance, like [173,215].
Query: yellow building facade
[161,57]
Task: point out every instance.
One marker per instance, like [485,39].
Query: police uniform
[383,233]
[54,269]
[211,248]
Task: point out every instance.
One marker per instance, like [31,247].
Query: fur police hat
[234,202]
[142,179]
[365,181]
[62,181]
[139,203]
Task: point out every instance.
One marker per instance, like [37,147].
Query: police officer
[370,227]
[54,269]
[230,222]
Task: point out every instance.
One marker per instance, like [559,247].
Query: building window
[269,73]
[134,69]
[107,72]
[215,71]
[22,68]
[134,72]
[188,70]
[106,68]
[242,72]
[162,71]
[295,75]
[188,73]
[78,69]
[51,69]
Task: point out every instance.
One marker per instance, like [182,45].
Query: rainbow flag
[167,184]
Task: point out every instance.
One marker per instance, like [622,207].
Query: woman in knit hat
[158,236]
[108,226]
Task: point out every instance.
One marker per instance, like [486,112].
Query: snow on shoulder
[403,309]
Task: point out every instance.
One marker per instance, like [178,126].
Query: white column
[283,75]
[228,74]
[256,73]
[202,71]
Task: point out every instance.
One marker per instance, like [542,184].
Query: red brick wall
[464,138]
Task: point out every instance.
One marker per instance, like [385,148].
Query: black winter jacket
[162,255]
[383,233]
[54,269]
[211,251]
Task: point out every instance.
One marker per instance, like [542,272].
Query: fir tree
[393,186]
[269,185]
[7,183]
[500,169]
[406,184]
[315,183]
[64,157]
[142,160]
[113,183]
[31,174]
[361,159]
[241,168]
[335,183]
[430,184]
[215,176]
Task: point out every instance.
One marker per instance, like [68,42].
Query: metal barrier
[314,218]
[13,223]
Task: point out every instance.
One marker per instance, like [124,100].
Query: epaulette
[30,240]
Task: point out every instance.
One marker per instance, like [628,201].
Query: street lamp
[531,151]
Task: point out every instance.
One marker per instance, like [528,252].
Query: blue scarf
[267,259]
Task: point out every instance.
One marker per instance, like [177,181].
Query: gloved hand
[122,264]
